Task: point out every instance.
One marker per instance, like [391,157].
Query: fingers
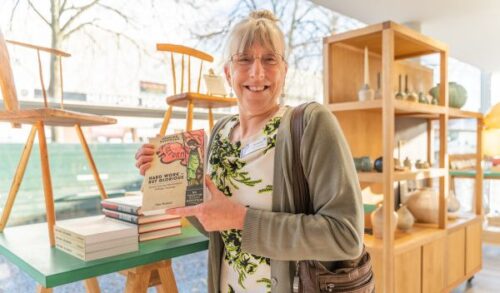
[214,191]
[143,160]
[144,168]
[145,149]
[185,211]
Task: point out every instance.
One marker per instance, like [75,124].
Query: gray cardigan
[334,232]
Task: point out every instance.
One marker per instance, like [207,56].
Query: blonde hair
[259,27]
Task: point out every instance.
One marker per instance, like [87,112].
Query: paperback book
[175,178]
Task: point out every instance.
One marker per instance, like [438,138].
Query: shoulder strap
[302,199]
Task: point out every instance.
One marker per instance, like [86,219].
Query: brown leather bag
[355,276]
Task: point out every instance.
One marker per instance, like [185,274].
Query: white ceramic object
[405,218]
[453,203]
[423,204]
[366,93]
[377,217]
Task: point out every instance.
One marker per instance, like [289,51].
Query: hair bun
[266,14]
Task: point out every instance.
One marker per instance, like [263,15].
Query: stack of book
[152,225]
[96,237]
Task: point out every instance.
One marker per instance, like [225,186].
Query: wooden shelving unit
[430,257]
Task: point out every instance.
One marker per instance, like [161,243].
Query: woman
[255,237]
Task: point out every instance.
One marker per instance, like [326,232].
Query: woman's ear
[227,72]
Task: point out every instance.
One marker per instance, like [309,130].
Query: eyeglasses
[268,60]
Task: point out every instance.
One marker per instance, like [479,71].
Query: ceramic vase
[453,203]
[424,204]
[405,218]
[457,94]
[377,217]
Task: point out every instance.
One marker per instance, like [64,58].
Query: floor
[488,279]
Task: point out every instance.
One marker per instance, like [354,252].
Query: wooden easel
[39,118]
[158,274]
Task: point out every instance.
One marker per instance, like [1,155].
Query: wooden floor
[488,279]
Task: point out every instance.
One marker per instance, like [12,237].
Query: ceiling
[470,28]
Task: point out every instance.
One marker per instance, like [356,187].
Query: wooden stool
[158,274]
[188,99]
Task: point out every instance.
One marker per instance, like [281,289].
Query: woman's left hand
[217,213]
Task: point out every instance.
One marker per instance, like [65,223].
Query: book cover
[175,178]
[160,234]
[137,219]
[95,229]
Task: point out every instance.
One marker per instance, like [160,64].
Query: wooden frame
[186,98]
[369,127]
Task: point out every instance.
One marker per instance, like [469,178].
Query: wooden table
[28,248]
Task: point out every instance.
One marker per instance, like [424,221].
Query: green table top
[28,248]
[487,174]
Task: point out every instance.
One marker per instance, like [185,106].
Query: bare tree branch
[12,14]
[77,28]
[38,12]
[63,7]
[118,12]
[79,12]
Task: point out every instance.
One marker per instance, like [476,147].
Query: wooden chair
[39,118]
[185,97]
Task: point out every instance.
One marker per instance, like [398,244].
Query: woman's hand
[143,157]
[216,214]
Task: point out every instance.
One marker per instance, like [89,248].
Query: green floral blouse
[243,171]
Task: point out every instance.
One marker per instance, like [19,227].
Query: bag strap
[301,197]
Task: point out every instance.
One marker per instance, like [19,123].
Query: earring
[231,94]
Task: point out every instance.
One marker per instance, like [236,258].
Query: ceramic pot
[377,217]
[405,218]
[378,165]
[366,93]
[453,203]
[457,93]
[366,164]
[423,204]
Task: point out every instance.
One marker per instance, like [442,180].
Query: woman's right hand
[143,157]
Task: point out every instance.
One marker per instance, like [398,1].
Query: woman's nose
[257,70]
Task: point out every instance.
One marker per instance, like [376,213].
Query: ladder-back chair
[38,118]
[184,94]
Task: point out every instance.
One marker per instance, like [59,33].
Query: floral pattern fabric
[243,171]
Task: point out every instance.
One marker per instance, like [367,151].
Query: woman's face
[257,77]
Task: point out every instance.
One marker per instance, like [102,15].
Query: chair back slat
[189,53]
[172,63]
[44,92]
[199,78]
[7,79]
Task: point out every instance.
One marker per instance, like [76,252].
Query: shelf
[417,236]
[455,113]
[461,221]
[407,43]
[377,177]
[400,108]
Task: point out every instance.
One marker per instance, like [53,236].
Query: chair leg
[18,178]
[166,121]
[47,182]
[91,285]
[91,162]
[210,119]
[189,118]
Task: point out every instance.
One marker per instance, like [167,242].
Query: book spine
[121,216]
[120,208]
[68,234]
[70,250]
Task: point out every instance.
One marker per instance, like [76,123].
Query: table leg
[137,282]
[92,286]
[167,278]
[158,274]
[41,289]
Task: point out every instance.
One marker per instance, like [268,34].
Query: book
[138,219]
[160,234]
[83,247]
[128,204]
[95,229]
[143,228]
[175,178]
[88,256]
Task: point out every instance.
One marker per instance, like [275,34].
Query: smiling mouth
[257,88]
